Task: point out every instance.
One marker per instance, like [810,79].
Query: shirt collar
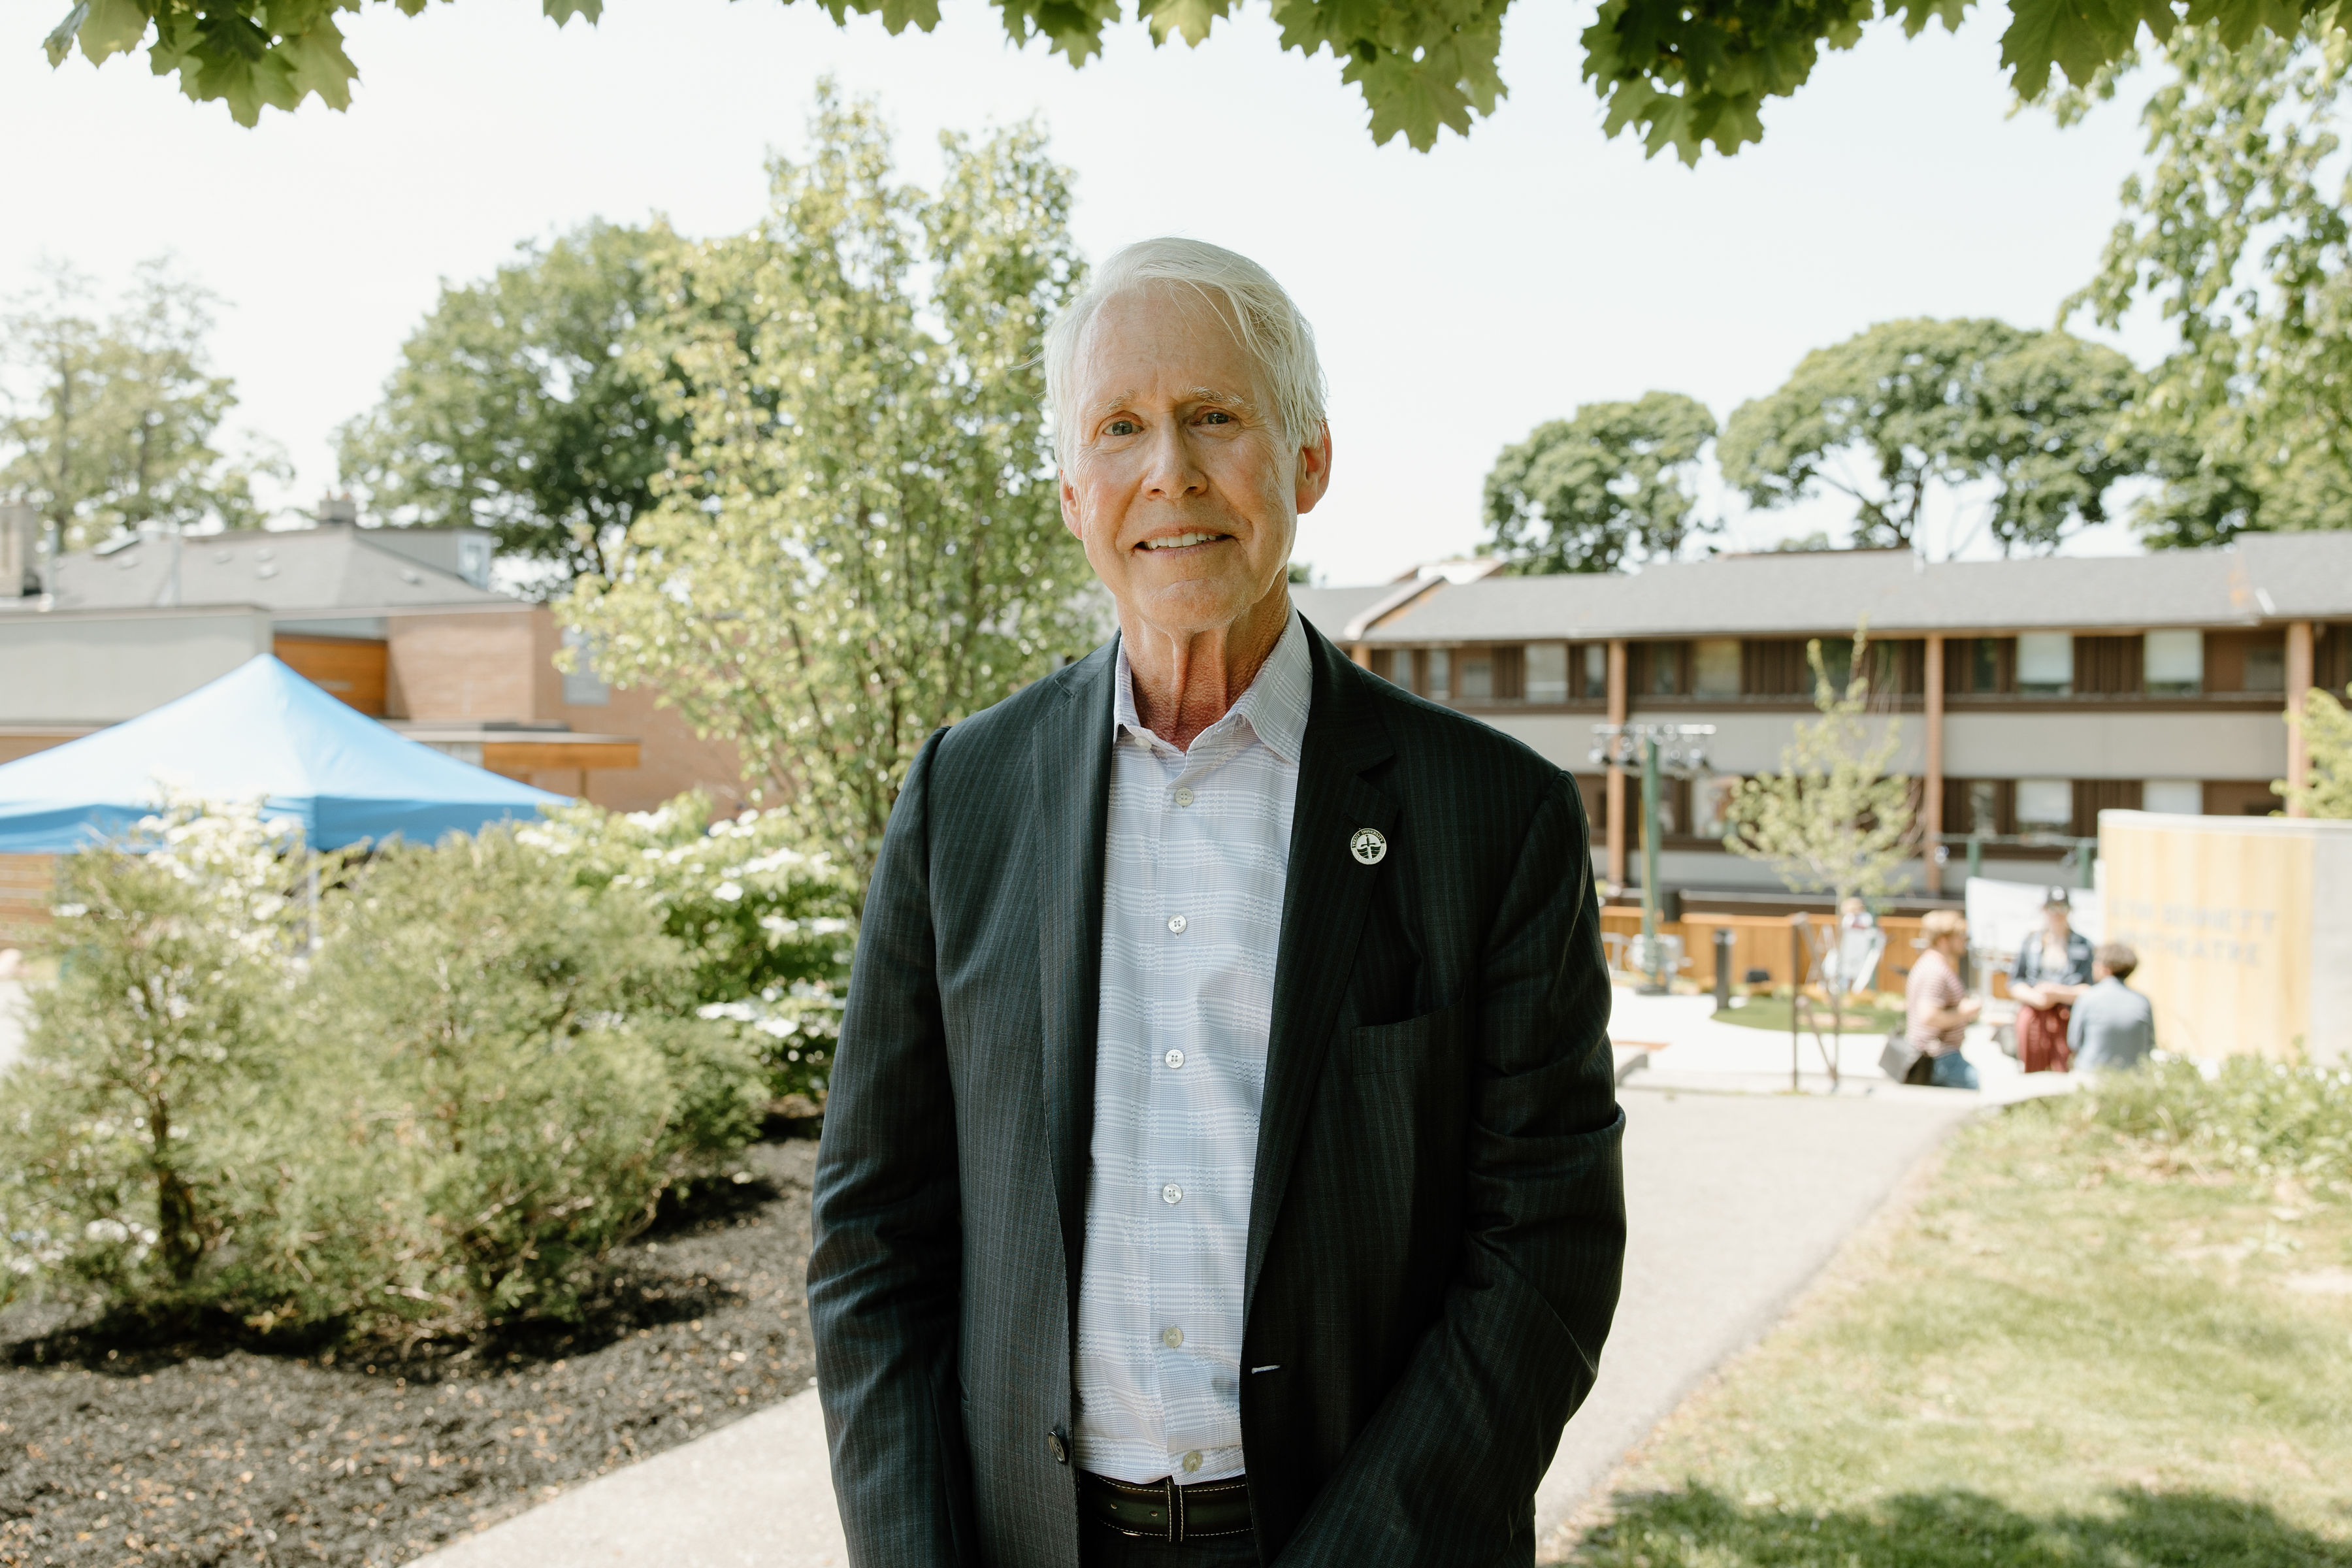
[1275,706]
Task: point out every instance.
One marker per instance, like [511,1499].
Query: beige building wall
[2090,744]
[94,668]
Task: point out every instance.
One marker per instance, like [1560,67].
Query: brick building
[402,623]
[2031,694]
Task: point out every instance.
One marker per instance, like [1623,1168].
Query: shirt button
[1183,795]
[1172,1336]
[1171,1193]
[1193,1460]
[1176,925]
[1174,1059]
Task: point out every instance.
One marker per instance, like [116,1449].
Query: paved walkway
[1736,1199]
[12,1007]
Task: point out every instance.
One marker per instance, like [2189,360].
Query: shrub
[129,1128]
[2252,1117]
[768,925]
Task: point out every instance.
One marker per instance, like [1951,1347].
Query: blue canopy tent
[259,731]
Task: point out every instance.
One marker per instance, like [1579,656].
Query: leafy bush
[2252,1117]
[768,926]
[524,1077]
[128,1129]
[482,1080]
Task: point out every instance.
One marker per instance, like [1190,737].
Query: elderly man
[1222,1159]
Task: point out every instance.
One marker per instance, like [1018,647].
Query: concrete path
[1736,1200]
[12,1007]
[1733,1203]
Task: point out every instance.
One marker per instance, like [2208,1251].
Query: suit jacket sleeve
[1443,1472]
[885,1273]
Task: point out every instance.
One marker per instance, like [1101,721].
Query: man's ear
[1314,468]
[1069,504]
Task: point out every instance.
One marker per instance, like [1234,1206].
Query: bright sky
[1460,296]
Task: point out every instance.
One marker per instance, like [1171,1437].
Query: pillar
[1931,787]
[1618,709]
[2298,685]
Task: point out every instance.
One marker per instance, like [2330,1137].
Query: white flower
[729,891]
[107,1230]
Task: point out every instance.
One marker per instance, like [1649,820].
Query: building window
[2045,666]
[1981,666]
[1711,797]
[2045,806]
[1595,663]
[1715,667]
[2175,664]
[1478,675]
[1434,667]
[1983,807]
[2183,798]
[582,687]
[1661,668]
[1547,672]
[2267,667]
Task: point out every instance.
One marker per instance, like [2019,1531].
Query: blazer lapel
[1072,796]
[1326,894]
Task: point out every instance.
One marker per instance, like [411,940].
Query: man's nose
[1173,469]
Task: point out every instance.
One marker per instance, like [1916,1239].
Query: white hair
[1272,331]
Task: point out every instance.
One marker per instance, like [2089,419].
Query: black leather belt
[1162,1511]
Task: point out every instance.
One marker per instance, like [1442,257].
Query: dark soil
[116,1449]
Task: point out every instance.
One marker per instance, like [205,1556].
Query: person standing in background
[2053,967]
[1936,1007]
[2112,1026]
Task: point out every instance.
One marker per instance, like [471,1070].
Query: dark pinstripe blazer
[1438,1218]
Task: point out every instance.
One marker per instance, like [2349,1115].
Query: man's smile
[1182,541]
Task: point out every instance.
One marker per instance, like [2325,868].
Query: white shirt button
[1193,1460]
[1171,1193]
[1174,1059]
[1183,794]
[1172,1336]
[1176,925]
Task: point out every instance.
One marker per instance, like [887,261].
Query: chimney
[337,508]
[20,550]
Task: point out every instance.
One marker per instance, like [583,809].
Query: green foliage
[107,424]
[1607,488]
[513,410]
[524,1077]
[1684,76]
[478,1080]
[152,1061]
[1833,819]
[765,927]
[2327,740]
[1892,412]
[2236,232]
[861,541]
[2254,1118]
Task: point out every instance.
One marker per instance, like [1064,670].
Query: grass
[2075,1349]
[1772,1013]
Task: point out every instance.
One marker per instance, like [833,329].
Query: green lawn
[2069,1354]
[1772,1013]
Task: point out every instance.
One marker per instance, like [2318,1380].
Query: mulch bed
[115,1449]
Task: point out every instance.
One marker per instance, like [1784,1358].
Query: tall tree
[1684,76]
[1890,415]
[111,423]
[1609,487]
[861,541]
[514,409]
[2236,232]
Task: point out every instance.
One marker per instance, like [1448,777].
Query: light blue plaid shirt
[1196,856]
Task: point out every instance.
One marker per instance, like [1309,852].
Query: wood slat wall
[27,883]
[355,671]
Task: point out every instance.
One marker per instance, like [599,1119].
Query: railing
[2082,854]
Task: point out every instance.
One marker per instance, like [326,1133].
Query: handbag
[1905,1062]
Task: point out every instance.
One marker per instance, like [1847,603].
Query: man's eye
[1120,428]
[1216,416]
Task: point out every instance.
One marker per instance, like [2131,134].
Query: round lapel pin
[1369,846]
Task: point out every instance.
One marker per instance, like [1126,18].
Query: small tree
[127,1125]
[2327,741]
[1833,819]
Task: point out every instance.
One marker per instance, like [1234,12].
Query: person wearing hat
[2052,968]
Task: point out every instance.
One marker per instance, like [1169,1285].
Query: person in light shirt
[1221,1164]
[1936,1007]
[2112,1026]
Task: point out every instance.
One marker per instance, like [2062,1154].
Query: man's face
[1178,482]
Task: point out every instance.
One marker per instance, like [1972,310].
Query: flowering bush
[767,925]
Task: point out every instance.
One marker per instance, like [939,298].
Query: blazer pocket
[1377,1049]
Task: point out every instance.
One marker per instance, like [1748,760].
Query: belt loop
[1175,1513]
